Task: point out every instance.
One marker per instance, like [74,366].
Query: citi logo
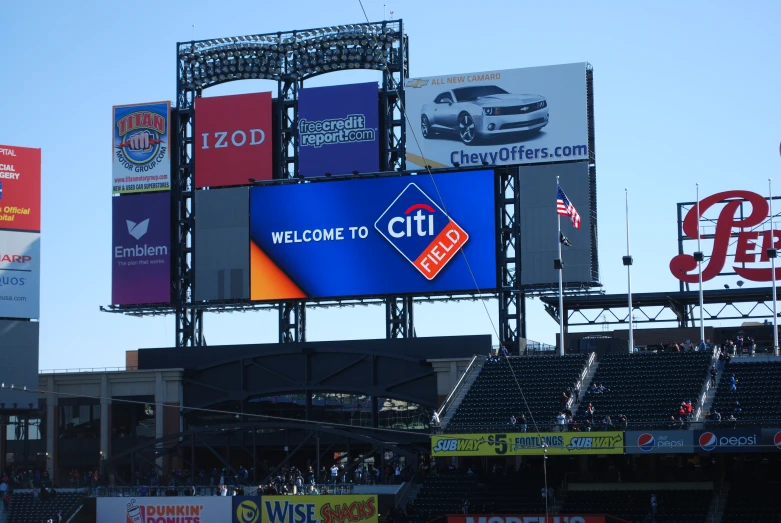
[137,230]
[421,231]
[237,139]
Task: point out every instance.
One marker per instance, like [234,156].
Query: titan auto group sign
[749,260]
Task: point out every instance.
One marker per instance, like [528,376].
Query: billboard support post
[772,255]
[628,263]
[698,257]
[561,284]
[399,319]
[292,322]
[512,319]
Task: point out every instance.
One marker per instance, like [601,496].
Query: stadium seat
[646,388]
[757,392]
[495,394]
[25,509]
[750,502]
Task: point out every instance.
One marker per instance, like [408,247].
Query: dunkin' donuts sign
[752,239]
[206,509]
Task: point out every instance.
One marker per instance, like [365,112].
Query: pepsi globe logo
[708,441]
[777,440]
[646,442]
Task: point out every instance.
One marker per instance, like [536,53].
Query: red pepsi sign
[751,244]
[727,440]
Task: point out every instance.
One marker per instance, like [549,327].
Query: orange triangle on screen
[267,281]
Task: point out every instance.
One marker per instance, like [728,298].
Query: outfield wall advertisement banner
[338,129]
[727,440]
[528,443]
[373,237]
[202,509]
[20,188]
[516,116]
[558,518]
[318,509]
[141,249]
[659,442]
[141,155]
[232,139]
[20,274]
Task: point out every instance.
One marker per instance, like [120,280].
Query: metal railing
[553,426]
[86,369]
[459,384]
[201,490]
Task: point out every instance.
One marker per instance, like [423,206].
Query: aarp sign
[752,230]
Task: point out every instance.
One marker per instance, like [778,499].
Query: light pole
[628,263]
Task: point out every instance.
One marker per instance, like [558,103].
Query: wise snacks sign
[319,509]
[750,233]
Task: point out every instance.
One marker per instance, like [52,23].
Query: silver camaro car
[482,111]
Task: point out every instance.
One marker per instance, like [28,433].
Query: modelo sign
[558,518]
[751,245]
[659,442]
[727,441]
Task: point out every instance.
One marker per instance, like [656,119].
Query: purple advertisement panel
[338,130]
[141,249]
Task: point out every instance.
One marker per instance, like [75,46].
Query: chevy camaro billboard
[141,156]
[20,188]
[338,130]
[375,236]
[517,116]
[232,139]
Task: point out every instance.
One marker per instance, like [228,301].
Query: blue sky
[684,93]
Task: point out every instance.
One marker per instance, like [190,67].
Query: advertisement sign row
[20,188]
[239,509]
[141,148]
[519,518]
[630,442]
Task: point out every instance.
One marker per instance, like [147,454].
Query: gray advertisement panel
[659,442]
[222,244]
[20,274]
[18,363]
[539,229]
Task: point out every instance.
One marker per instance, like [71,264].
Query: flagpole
[561,285]
[773,268]
[628,263]
[699,265]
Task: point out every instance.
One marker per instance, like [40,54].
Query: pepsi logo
[777,440]
[646,442]
[708,441]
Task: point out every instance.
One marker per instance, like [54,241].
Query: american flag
[565,208]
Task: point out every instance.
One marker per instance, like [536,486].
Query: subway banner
[338,129]
[141,249]
[318,509]
[373,236]
[202,509]
[20,188]
[516,116]
[20,274]
[141,157]
[528,443]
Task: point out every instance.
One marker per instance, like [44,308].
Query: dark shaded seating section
[25,509]
[758,391]
[646,388]
[506,494]
[494,396]
[753,502]
[673,506]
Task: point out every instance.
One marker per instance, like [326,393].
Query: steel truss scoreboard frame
[290,58]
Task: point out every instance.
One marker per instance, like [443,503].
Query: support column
[105,414]
[52,405]
[159,411]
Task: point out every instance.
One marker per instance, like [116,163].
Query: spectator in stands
[607,423]
[622,422]
[739,344]
[590,412]
[564,400]
[715,415]
[491,357]
[587,425]
[713,373]
[3,488]
[561,421]
[736,407]
[654,504]
[752,347]
[522,423]
[732,420]
[504,352]
[513,421]
[689,408]
[733,384]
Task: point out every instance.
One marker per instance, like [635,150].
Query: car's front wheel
[425,127]
[467,130]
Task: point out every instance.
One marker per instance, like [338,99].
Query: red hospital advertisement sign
[232,139]
[20,188]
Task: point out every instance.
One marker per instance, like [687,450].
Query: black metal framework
[289,58]
[399,319]
[512,323]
